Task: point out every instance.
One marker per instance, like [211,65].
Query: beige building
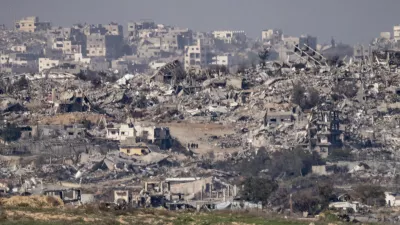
[229,36]
[46,63]
[196,56]
[99,45]
[114,29]
[31,24]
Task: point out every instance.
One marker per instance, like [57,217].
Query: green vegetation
[95,215]
[10,133]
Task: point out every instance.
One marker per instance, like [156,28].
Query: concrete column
[145,186]
[223,194]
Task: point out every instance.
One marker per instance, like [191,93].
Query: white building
[271,34]
[223,60]
[290,41]
[385,35]
[19,48]
[392,199]
[121,132]
[46,63]
[396,32]
[155,65]
[229,36]
[196,56]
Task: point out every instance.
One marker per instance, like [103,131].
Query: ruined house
[121,132]
[73,102]
[170,73]
[156,135]
[277,114]
[131,147]
[324,131]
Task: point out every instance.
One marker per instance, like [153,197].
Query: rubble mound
[32,201]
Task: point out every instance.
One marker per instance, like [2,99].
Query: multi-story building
[308,40]
[114,29]
[197,56]
[396,32]
[229,36]
[104,45]
[18,58]
[31,24]
[135,27]
[273,35]
[290,41]
[69,40]
[362,52]
[223,60]
[46,63]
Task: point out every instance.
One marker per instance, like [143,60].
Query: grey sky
[350,21]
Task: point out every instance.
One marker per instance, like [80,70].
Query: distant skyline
[348,21]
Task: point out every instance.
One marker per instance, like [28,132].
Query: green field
[63,216]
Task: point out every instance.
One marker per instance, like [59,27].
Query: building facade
[46,63]
[229,36]
[31,24]
[271,35]
[197,56]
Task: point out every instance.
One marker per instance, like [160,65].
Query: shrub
[258,189]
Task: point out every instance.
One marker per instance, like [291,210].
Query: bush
[315,198]
[258,189]
[10,133]
[96,82]
[292,163]
[305,98]
[370,195]
[21,84]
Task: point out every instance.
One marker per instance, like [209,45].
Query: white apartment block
[229,36]
[46,63]
[271,34]
[223,60]
[396,32]
[196,56]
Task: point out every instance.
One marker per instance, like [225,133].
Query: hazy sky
[349,21]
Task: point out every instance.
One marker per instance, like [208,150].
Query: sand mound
[32,201]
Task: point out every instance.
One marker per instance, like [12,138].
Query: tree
[313,197]
[292,163]
[10,133]
[96,82]
[21,84]
[263,55]
[305,98]
[370,194]
[258,189]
